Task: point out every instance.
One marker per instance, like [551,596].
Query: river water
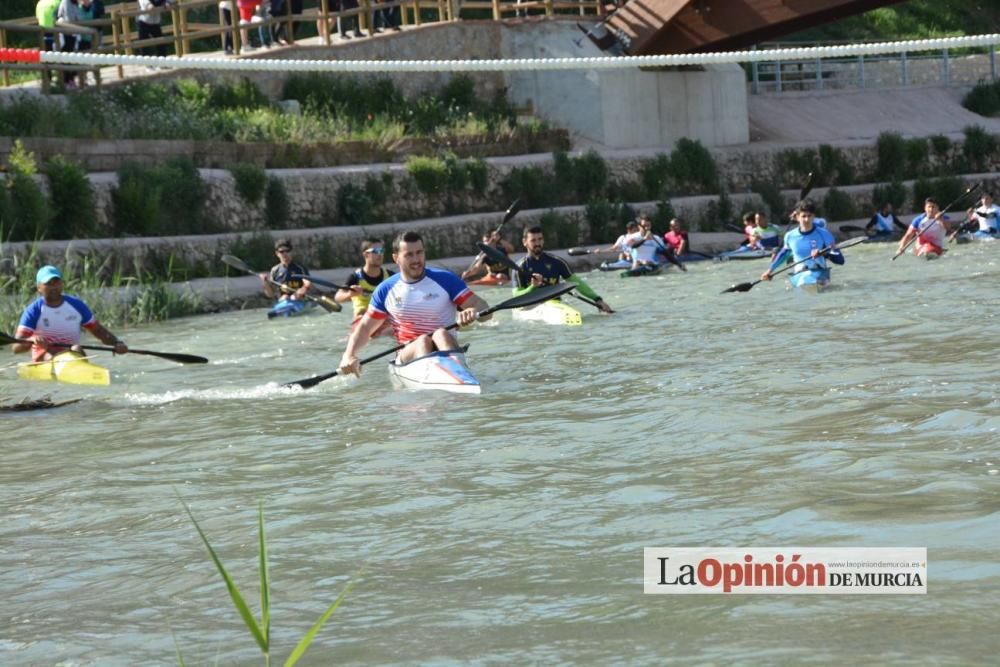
[509,527]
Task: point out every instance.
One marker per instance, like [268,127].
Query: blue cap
[47,273]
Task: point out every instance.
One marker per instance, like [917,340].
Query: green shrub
[663,214]
[600,216]
[251,181]
[838,205]
[895,193]
[626,191]
[71,195]
[530,184]
[945,190]
[429,173]
[917,152]
[978,147]
[560,231]
[354,206]
[479,175]
[182,198]
[891,163]
[834,167]
[590,176]
[456,175]
[27,208]
[796,165]
[692,166]
[770,194]
[378,189]
[460,93]
[135,202]
[941,145]
[241,95]
[983,99]
[255,249]
[276,205]
[655,176]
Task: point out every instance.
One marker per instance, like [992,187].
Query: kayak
[549,312]
[970,237]
[290,308]
[743,253]
[444,370]
[641,270]
[68,367]
[617,265]
[491,279]
[810,281]
[928,250]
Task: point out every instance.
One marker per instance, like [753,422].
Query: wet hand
[467,316]
[350,366]
[766,275]
[120,347]
[536,279]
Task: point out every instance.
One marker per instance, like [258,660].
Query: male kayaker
[765,235]
[539,268]
[884,223]
[806,244]
[364,280]
[677,239]
[53,321]
[930,228]
[419,302]
[647,247]
[280,273]
[499,270]
[987,214]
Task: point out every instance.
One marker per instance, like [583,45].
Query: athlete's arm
[470,308]
[349,362]
[108,338]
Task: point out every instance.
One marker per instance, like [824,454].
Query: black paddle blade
[578,251]
[172,356]
[318,281]
[511,211]
[237,264]
[537,295]
[807,186]
[497,256]
[742,287]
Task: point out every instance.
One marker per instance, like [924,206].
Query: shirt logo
[430,296]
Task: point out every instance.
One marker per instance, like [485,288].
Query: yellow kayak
[550,312]
[68,367]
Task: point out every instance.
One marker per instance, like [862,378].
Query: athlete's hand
[350,366]
[40,341]
[815,253]
[766,275]
[536,279]
[120,347]
[605,308]
[466,316]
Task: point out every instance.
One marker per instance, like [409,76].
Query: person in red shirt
[677,238]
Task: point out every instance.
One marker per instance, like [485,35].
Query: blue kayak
[290,308]
[811,280]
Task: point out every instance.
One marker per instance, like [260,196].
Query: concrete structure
[626,108]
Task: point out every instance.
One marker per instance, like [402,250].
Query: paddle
[527,299]
[967,226]
[586,251]
[319,281]
[511,211]
[498,256]
[947,208]
[240,265]
[6,339]
[746,287]
[852,229]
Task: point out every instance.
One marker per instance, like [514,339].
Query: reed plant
[260,630]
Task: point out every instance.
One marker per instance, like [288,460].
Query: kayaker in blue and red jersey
[539,268]
[53,321]
[280,273]
[364,280]
[807,242]
[930,228]
[419,302]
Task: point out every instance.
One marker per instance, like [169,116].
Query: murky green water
[508,528]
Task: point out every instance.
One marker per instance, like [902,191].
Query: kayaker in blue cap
[53,321]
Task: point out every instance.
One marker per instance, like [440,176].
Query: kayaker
[765,235]
[53,321]
[364,280]
[930,228]
[987,215]
[280,273]
[498,270]
[804,242]
[677,239]
[419,302]
[647,247]
[884,223]
[539,268]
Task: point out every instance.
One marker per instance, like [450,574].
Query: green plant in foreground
[261,631]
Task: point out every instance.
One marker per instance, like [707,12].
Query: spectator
[150,24]
[226,7]
[248,14]
[278,29]
[387,17]
[45,12]
[343,23]
[68,14]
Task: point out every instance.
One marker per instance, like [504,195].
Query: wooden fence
[184,23]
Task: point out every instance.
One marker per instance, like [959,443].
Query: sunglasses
[283,251]
[377,250]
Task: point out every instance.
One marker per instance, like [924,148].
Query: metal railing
[118,33]
[900,70]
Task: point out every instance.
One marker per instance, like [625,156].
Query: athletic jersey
[674,240]
[367,283]
[929,232]
[280,274]
[987,218]
[883,223]
[768,237]
[419,307]
[498,267]
[59,325]
[549,267]
[647,250]
[799,245]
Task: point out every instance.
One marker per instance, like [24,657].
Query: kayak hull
[743,254]
[550,312]
[810,281]
[617,265]
[642,270]
[68,368]
[493,279]
[290,308]
[442,370]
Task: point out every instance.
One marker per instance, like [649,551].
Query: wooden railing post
[496,10]
[289,23]
[116,41]
[549,11]
[324,28]
[366,19]
[185,42]
[3,45]
[416,12]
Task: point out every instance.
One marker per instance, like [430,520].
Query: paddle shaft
[529,299]
[498,256]
[937,219]
[170,356]
[240,265]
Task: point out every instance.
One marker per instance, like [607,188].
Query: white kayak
[549,312]
[444,370]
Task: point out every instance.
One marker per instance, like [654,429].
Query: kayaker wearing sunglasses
[364,280]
